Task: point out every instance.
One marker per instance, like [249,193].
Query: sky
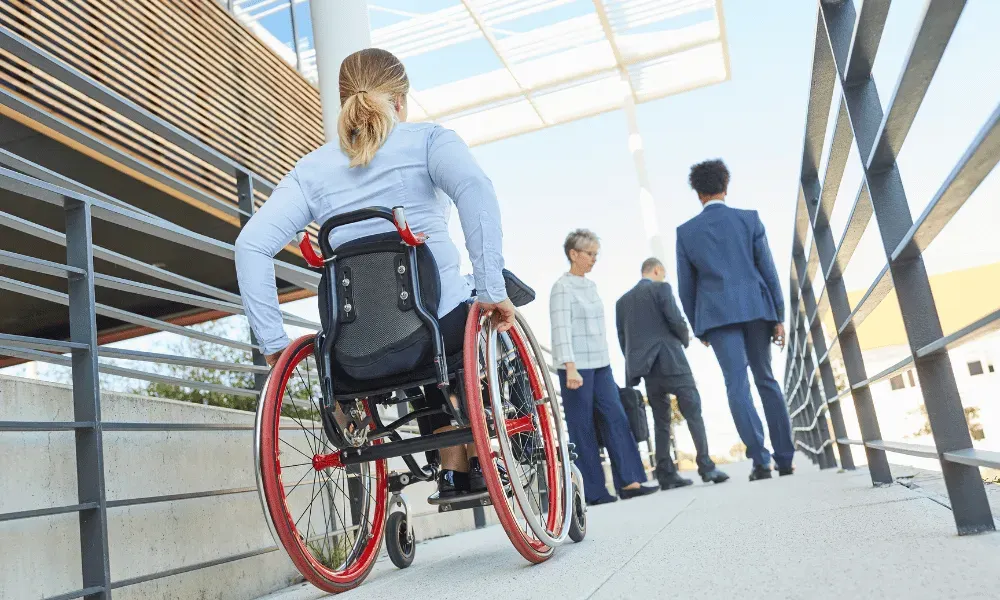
[581,174]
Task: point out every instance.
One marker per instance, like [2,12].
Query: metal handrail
[81,205]
[846,44]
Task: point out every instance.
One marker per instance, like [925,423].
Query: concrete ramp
[817,534]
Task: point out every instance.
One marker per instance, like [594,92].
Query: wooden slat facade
[187,62]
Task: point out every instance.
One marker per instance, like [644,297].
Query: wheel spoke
[285,442]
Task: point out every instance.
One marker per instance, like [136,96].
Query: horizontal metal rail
[137,266]
[46,512]
[37,265]
[811,449]
[43,293]
[169,359]
[65,361]
[34,343]
[885,374]
[78,593]
[30,187]
[176,497]
[920,450]
[974,457]
[195,567]
[45,425]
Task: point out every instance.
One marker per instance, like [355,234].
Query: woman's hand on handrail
[502,314]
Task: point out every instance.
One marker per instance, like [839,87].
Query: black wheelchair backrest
[379,331]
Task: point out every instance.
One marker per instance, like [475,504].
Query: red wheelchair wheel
[515,438]
[330,518]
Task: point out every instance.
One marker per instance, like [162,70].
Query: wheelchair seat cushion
[349,387]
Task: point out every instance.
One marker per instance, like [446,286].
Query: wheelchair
[321,447]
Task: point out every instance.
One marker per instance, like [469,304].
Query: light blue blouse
[415,161]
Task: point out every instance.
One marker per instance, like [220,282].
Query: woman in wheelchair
[380,160]
[400,324]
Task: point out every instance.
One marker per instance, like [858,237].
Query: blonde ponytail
[371,81]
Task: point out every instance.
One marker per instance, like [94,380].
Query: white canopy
[586,59]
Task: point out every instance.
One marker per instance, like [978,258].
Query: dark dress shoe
[642,490]
[714,476]
[760,472]
[669,482]
[477,483]
[452,483]
[782,471]
[603,500]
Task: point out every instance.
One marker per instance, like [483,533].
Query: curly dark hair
[709,178]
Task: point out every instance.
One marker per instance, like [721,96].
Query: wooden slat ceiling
[187,62]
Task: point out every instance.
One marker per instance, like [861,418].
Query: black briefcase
[635,410]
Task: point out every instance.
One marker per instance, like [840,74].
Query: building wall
[42,555]
[899,410]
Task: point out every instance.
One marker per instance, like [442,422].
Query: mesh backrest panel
[379,322]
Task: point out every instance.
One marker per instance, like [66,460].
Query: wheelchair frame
[373,432]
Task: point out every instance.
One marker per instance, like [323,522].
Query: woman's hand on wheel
[503,314]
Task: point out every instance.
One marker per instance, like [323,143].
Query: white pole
[340,28]
[657,241]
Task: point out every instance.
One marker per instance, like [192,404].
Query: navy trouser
[737,347]
[599,391]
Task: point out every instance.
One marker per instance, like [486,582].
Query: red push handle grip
[409,238]
[308,252]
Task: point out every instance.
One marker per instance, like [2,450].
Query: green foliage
[971,417]
[193,348]
[303,387]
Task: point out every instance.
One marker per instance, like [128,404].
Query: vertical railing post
[827,459]
[836,292]
[878,141]
[970,506]
[244,189]
[87,401]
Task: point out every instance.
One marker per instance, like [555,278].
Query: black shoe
[642,490]
[452,483]
[476,481]
[714,476]
[673,480]
[782,471]
[760,472]
[605,500]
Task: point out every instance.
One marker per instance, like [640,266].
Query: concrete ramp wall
[41,555]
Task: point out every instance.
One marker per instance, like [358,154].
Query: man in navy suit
[729,288]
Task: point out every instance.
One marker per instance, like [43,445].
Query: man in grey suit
[652,334]
[731,294]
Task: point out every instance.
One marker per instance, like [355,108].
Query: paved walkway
[814,535]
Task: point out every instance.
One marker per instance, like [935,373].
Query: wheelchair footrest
[462,502]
